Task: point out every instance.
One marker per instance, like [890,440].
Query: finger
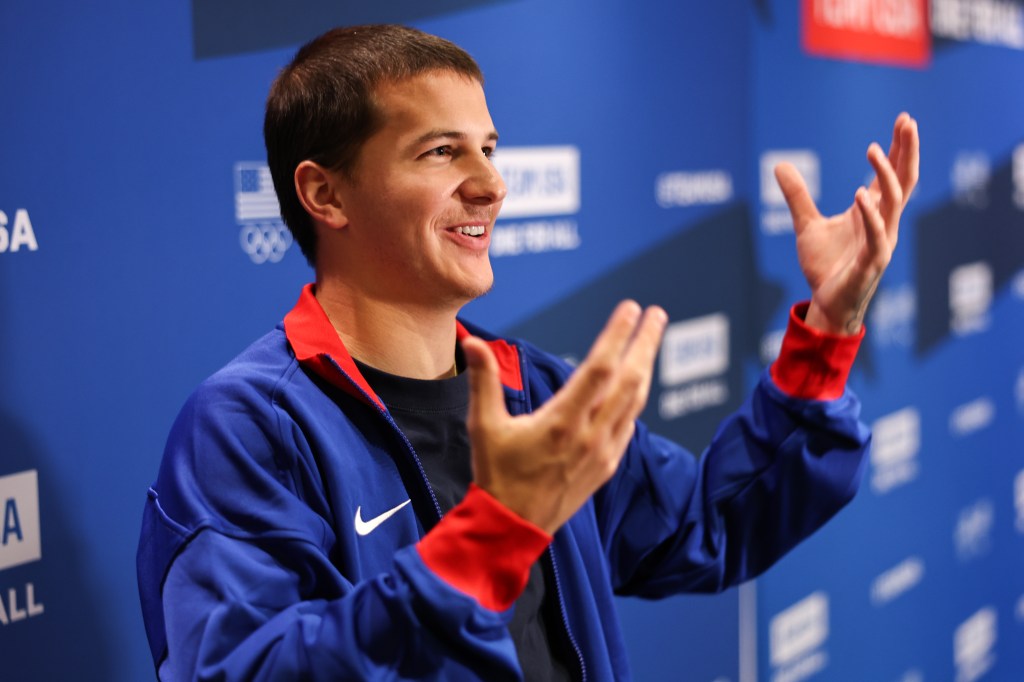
[798,198]
[878,240]
[896,145]
[631,386]
[486,397]
[907,167]
[889,185]
[589,382]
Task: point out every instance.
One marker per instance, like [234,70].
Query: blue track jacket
[277,543]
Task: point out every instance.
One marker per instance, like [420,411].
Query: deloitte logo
[263,237]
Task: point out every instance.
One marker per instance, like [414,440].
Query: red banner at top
[892,32]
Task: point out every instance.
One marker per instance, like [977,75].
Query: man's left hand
[843,256]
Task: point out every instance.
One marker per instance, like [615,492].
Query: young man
[343,501]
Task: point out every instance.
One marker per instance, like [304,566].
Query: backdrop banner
[141,248]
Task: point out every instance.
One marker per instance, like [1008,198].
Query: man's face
[424,195]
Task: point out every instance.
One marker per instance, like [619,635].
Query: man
[328,507]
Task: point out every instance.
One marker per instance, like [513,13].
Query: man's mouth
[470,230]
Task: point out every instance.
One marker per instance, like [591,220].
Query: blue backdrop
[140,250]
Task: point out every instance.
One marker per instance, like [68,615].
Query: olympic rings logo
[265,241]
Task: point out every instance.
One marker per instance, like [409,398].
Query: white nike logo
[367,527]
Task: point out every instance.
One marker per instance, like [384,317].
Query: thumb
[486,398]
[798,197]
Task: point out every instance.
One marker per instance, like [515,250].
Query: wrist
[849,325]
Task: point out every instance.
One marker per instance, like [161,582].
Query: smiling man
[378,490]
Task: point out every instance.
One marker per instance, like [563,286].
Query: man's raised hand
[844,256]
[545,465]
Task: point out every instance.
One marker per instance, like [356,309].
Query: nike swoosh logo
[367,527]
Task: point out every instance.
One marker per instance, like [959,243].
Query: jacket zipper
[391,421]
[416,460]
[437,508]
[565,617]
[551,548]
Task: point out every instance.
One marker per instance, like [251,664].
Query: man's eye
[488,152]
[443,150]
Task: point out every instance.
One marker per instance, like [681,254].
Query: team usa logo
[263,237]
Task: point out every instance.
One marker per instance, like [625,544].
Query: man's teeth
[470,230]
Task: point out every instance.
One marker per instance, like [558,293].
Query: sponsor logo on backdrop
[691,188]
[1019,390]
[771,346]
[896,441]
[970,297]
[797,637]
[1017,284]
[692,365]
[972,416]
[1018,176]
[897,580]
[992,22]
[1019,611]
[893,316]
[18,234]
[974,645]
[972,535]
[544,185]
[1018,499]
[893,32]
[262,234]
[20,543]
[970,177]
[775,217]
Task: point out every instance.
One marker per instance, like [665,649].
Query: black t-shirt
[432,414]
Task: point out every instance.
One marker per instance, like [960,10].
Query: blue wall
[137,256]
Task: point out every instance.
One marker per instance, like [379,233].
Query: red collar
[318,347]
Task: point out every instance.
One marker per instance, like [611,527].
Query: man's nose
[484,185]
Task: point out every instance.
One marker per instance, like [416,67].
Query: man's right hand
[545,465]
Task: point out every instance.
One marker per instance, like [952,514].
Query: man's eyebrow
[439,134]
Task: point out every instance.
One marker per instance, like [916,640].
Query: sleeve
[239,579]
[776,470]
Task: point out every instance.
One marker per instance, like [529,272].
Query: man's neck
[407,341]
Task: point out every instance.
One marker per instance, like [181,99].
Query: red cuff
[484,549]
[813,365]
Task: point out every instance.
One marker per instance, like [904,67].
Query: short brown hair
[321,105]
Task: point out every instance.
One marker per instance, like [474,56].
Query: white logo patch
[20,540]
[541,181]
[367,527]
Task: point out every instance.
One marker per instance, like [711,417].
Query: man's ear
[318,191]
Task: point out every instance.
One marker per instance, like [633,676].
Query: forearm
[235,612]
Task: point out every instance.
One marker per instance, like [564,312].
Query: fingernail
[660,315]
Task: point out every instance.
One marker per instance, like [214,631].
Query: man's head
[322,106]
